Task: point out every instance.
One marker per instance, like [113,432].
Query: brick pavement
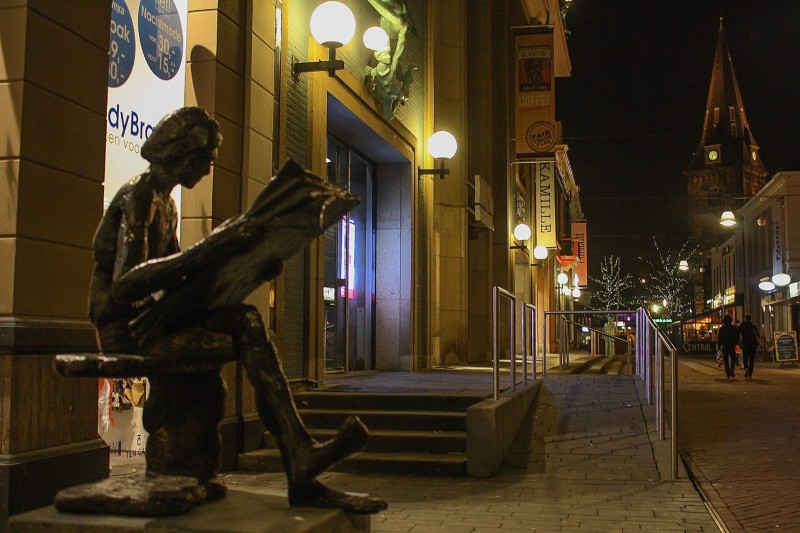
[741,440]
[583,461]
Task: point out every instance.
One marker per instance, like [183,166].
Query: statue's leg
[181,418]
[303,457]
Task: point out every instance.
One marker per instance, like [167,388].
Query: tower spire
[726,165]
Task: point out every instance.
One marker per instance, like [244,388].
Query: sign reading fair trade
[534,98]
[146,78]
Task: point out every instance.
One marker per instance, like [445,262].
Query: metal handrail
[660,341]
[650,345]
[531,315]
[499,291]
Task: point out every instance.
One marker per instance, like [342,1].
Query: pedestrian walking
[750,338]
[727,339]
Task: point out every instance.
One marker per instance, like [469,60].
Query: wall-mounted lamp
[441,146]
[781,279]
[683,266]
[565,290]
[540,252]
[332,25]
[766,285]
[522,232]
[576,292]
[727,219]
[562,279]
[376,39]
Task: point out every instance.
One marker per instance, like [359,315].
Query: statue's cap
[180,133]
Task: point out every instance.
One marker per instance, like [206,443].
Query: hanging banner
[534,96]
[579,249]
[545,219]
[146,80]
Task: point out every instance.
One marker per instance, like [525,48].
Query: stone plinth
[243,510]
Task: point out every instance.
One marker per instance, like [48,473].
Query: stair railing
[498,292]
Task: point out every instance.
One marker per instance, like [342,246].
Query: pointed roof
[725,121]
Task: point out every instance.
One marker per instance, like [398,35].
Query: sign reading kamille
[534,99]
[544,174]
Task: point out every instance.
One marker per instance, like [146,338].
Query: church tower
[726,166]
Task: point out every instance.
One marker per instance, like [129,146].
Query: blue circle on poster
[122,44]
[161,37]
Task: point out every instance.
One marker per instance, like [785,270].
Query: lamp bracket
[441,171]
[331,65]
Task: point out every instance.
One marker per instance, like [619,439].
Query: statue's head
[185,141]
[180,134]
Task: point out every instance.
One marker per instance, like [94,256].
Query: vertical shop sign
[534,97]
[777,238]
[579,249]
[543,175]
[146,78]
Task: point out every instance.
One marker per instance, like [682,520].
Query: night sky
[632,111]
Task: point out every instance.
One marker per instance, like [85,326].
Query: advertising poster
[544,196]
[146,79]
[579,249]
[534,97]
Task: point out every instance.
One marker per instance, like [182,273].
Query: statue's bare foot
[315,494]
[308,464]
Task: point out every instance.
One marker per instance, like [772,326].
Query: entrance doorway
[349,288]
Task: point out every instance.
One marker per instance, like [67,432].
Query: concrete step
[397,441]
[355,401]
[388,420]
[408,463]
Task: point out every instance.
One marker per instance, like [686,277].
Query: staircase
[415,434]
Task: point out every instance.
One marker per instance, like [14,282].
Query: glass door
[349,288]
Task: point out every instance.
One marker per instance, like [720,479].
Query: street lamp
[766,285]
[522,232]
[332,25]
[781,279]
[727,219]
[442,146]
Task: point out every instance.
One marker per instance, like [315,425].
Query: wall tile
[53,205]
[90,20]
[55,130]
[9,184]
[12,29]
[11,111]
[54,68]
[262,111]
[8,254]
[51,280]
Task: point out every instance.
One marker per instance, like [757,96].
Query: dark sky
[632,111]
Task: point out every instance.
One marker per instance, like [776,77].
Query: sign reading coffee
[534,98]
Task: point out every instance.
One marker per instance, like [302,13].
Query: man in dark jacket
[750,338]
[727,339]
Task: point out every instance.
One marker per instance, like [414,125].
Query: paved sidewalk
[585,460]
[740,438]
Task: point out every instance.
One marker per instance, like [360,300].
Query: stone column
[53,78]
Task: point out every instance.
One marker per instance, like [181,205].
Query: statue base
[243,510]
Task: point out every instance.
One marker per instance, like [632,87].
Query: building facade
[403,283]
